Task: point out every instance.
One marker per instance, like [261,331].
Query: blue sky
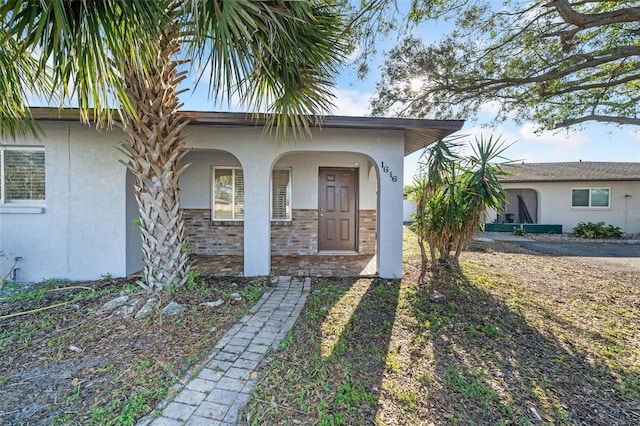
[594,142]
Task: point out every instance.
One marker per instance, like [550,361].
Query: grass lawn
[522,339]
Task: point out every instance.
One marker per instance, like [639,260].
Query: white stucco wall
[305,168]
[554,204]
[80,233]
[85,227]
[134,255]
[195,183]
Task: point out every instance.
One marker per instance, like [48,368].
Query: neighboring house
[408,210]
[67,205]
[568,193]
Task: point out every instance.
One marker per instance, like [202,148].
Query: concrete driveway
[618,256]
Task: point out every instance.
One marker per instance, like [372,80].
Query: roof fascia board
[247,119]
[630,179]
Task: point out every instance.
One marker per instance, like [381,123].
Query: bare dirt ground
[73,365]
[619,255]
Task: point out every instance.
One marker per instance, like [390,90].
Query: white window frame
[290,215]
[26,202]
[233,194]
[608,206]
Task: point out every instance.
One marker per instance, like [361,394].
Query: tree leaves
[278,56]
[558,64]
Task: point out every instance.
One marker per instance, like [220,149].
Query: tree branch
[605,84]
[600,118]
[507,56]
[591,20]
[555,74]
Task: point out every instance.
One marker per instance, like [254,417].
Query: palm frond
[19,79]
[279,57]
[85,46]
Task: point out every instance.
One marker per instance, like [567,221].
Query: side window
[590,197]
[281,194]
[22,175]
[228,194]
[580,198]
[599,198]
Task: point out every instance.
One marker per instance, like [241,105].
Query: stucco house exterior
[67,206]
[568,193]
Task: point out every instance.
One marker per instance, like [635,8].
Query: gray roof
[572,172]
[418,133]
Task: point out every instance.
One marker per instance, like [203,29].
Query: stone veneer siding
[223,238]
[299,237]
[367,237]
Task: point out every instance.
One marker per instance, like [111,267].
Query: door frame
[355,173]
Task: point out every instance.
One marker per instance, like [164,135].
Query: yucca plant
[452,194]
[481,186]
[435,163]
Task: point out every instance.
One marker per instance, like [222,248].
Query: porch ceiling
[418,133]
[416,139]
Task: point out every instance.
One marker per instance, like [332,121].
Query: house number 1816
[385,169]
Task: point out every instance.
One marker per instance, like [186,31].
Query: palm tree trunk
[424,263]
[432,250]
[154,153]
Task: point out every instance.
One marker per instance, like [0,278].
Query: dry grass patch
[522,339]
[72,366]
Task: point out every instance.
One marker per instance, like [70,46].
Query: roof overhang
[576,180]
[418,133]
[577,171]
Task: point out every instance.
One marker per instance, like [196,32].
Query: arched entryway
[212,201]
[324,214]
[521,207]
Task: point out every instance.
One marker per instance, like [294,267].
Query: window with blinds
[590,197]
[21,174]
[281,194]
[228,194]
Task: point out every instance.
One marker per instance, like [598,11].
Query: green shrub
[519,232]
[597,230]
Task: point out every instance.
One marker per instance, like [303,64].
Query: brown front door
[337,209]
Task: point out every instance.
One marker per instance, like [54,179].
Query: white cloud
[560,137]
[499,131]
[490,109]
[634,135]
[473,133]
[351,102]
[561,145]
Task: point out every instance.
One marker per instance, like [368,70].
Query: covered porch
[318,208]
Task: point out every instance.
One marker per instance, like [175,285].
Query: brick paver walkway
[224,384]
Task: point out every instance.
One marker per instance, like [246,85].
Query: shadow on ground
[492,367]
[370,351]
[332,369]
[618,256]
